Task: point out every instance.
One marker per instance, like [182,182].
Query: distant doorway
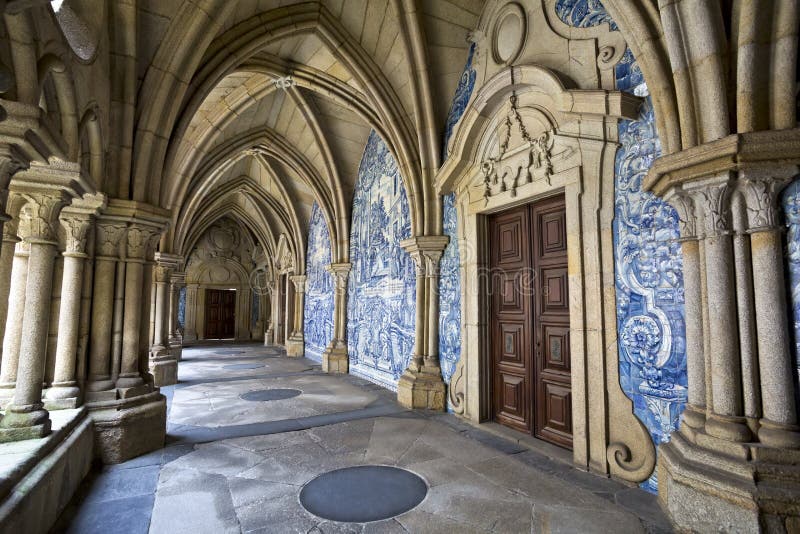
[220,314]
[530,320]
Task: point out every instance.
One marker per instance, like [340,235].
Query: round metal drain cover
[244,366]
[269,394]
[363,494]
[230,351]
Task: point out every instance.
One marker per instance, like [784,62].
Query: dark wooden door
[220,314]
[530,320]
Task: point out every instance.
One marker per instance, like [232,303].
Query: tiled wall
[648,261]
[182,307]
[318,312]
[791,209]
[381,304]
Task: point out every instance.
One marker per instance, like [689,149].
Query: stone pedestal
[295,345]
[422,390]
[129,427]
[164,370]
[335,360]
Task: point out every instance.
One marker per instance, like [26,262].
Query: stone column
[139,237]
[76,224]
[725,419]
[421,385]
[109,243]
[295,344]
[26,417]
[175,337]
[163,364]
[694,416]
[335,359]
[14,260]
[778,425]
[190,328]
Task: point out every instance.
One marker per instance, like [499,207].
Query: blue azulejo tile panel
[381,303]
[318,308]
[460,99]
[647,259]
[791,209]
[450,294]
[182,307]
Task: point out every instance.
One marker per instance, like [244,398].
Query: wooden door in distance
[220,314]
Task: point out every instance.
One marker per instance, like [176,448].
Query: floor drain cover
[245,366]
[270,394]
[363,494]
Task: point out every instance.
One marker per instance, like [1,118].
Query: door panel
[220,314]
[530,320]
[511,308]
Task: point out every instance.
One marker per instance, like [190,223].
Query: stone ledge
[40,476]
[128,428]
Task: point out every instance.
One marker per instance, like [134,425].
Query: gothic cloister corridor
[232,465]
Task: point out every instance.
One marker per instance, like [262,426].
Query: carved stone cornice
[426,251]
[736,152]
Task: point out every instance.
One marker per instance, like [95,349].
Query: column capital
[340,272]
[172,261]
[110,238]
[713,195]
[426,251]
[76,220]
[142,241]
[38,219]
[178,279]
[684,204]
[761,194]
[299,281]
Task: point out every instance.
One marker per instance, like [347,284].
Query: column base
[101,383]
[295,347]
[704,490]
[176,348]
[423,389]
[127,428]
[335,360]
[728,428]
[62,396]
[164,370]
[778,435]
[24,422]
[269,338]
[129,381]
[6,394]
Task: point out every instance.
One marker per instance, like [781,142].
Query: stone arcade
[466,265]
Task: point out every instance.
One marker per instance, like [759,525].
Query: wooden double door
[220,314]
[529,320]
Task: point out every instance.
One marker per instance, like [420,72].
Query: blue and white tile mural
[182,307]
[318,312]
[648,260]
[460,99]
[381,303]
[791,210]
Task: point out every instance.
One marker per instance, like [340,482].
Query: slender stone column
[26,417]
[138,238]
[335,359]
[175,337]
[695,413]
[778,425]
[725,419]
[7,252]
[163,364]
[190,328]
[421,385]
[116,327]
[76,226]
[110,237]
[295,343]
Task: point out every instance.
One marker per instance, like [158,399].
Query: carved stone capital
[684,204]
[38,219]
[76,231]
[761,195]
[109,238]
[142,241]
[340,273]
[163,273]
[426,251]
[299,282]
[713,197]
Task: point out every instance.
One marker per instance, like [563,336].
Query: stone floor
[233,465]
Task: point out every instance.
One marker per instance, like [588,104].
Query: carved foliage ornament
[76,232]
[538,159]
[108,238]
[39,216]
[717,209]
[761,195]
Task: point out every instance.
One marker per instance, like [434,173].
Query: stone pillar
[738,467]
[295,344]
[64,390]
[26,417]
[335,359]
[15,253]
[163,364]
[421,385]
[190,328]
[139,237]
[778,425]
[109,243]
[175,337]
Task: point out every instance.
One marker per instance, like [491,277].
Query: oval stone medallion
[362,494]
[262,395]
